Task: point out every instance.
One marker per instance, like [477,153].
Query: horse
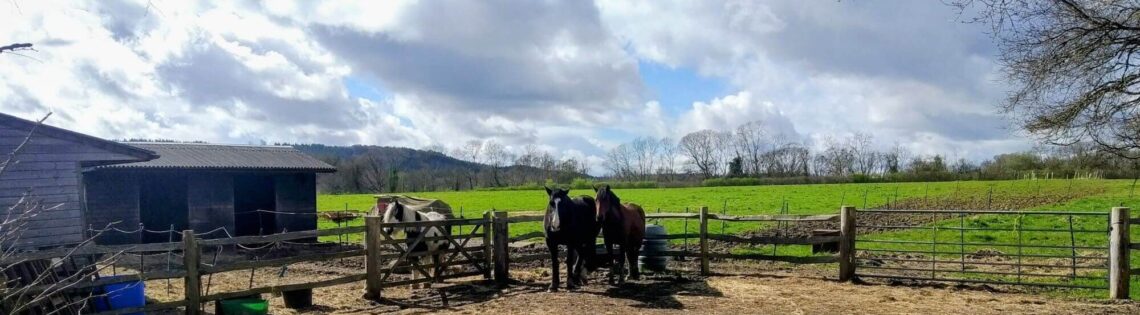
[396,213]
[622,225]
[569,222]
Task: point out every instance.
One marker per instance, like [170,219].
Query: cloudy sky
[573,77]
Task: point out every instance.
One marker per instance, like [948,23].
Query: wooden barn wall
[48,171]
[210,197]
[113,201]
[162,204]
[296,193]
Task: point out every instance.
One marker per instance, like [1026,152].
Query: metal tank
[654,243]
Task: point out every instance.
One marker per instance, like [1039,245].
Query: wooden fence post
[704,241]
[192,285]
[372,254]
[846,243]
[488,244]
[1118,244]
[502,254]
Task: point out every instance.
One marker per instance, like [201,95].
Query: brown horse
[623,225]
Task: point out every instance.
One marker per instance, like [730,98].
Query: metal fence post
[704,241]
[1119,244]
[847,243]
[372,253]
[192,282]
[502,255]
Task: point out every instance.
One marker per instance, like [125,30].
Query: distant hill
[370,169]
[404,159]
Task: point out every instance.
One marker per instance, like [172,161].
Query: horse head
[393,214]
[558,198]
[606,201]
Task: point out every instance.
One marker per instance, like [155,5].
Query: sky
[575,78]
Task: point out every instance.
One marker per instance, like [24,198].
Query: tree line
[753,151]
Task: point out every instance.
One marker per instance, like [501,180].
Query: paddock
[489,270]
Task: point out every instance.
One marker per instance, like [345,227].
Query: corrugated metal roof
[225,157]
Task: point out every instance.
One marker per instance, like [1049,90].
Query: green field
[1066,195]
[796,199]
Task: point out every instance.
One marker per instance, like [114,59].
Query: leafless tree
[666,159]
[1074,67]
[619,161]
[866,159]
[750,143]
[496,156]
[705,150]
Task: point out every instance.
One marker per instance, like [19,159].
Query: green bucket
[246,306]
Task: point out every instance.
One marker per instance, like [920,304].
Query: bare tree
[619,161]
[1074,66]
[666,159]
[750,144]
[705,150]
[496,156]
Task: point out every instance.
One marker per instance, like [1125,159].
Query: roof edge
[60,133]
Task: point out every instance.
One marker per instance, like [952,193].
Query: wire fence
[1026,248]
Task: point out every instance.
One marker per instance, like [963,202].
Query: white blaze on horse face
[388,217]
[554,221]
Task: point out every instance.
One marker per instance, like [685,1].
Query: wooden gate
[468,252]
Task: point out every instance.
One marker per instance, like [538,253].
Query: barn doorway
[162,205]
[253,193]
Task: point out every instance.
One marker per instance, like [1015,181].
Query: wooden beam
[527,236]
[526,218]
[775,218]
[790,259]
[501,235]
[260,239]
[145,309]
[704,216]
[847,244]
[90,249]
[373,237]
[1118,243]
[488,244]
[192,288]
[283,288]
[756,240]
[672,216]
[240,265]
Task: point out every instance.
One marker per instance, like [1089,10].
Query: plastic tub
[244,306]
[121,295]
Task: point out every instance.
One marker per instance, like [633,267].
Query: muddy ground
[740,288]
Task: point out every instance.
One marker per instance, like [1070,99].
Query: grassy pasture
[1044,195]
[796,199]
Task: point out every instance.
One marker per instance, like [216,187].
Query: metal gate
[1021,248]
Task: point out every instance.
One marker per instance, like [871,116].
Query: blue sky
[574,78]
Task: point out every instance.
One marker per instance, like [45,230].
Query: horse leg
[553,248]
[631,255]
[571,267]
[621,264]
[585,254]
[613,266]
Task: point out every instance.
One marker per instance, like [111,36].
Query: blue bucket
[121,295]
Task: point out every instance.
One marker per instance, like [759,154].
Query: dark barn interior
[214,190]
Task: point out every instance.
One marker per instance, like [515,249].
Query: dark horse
[623,225]
[569,222]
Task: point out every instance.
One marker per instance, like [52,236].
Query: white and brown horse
[396,213]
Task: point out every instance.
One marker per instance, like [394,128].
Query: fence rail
[485,248]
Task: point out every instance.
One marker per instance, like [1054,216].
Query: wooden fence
[383,255]
[484,248]
[704,254]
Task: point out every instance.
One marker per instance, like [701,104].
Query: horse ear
[595,188]
[607,186]
[548,191]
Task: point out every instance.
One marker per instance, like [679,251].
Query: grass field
[1067,195]
[796,199]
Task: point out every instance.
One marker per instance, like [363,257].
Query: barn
[92,183]
[49,172]
[217,190]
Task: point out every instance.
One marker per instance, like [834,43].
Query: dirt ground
[789,291]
